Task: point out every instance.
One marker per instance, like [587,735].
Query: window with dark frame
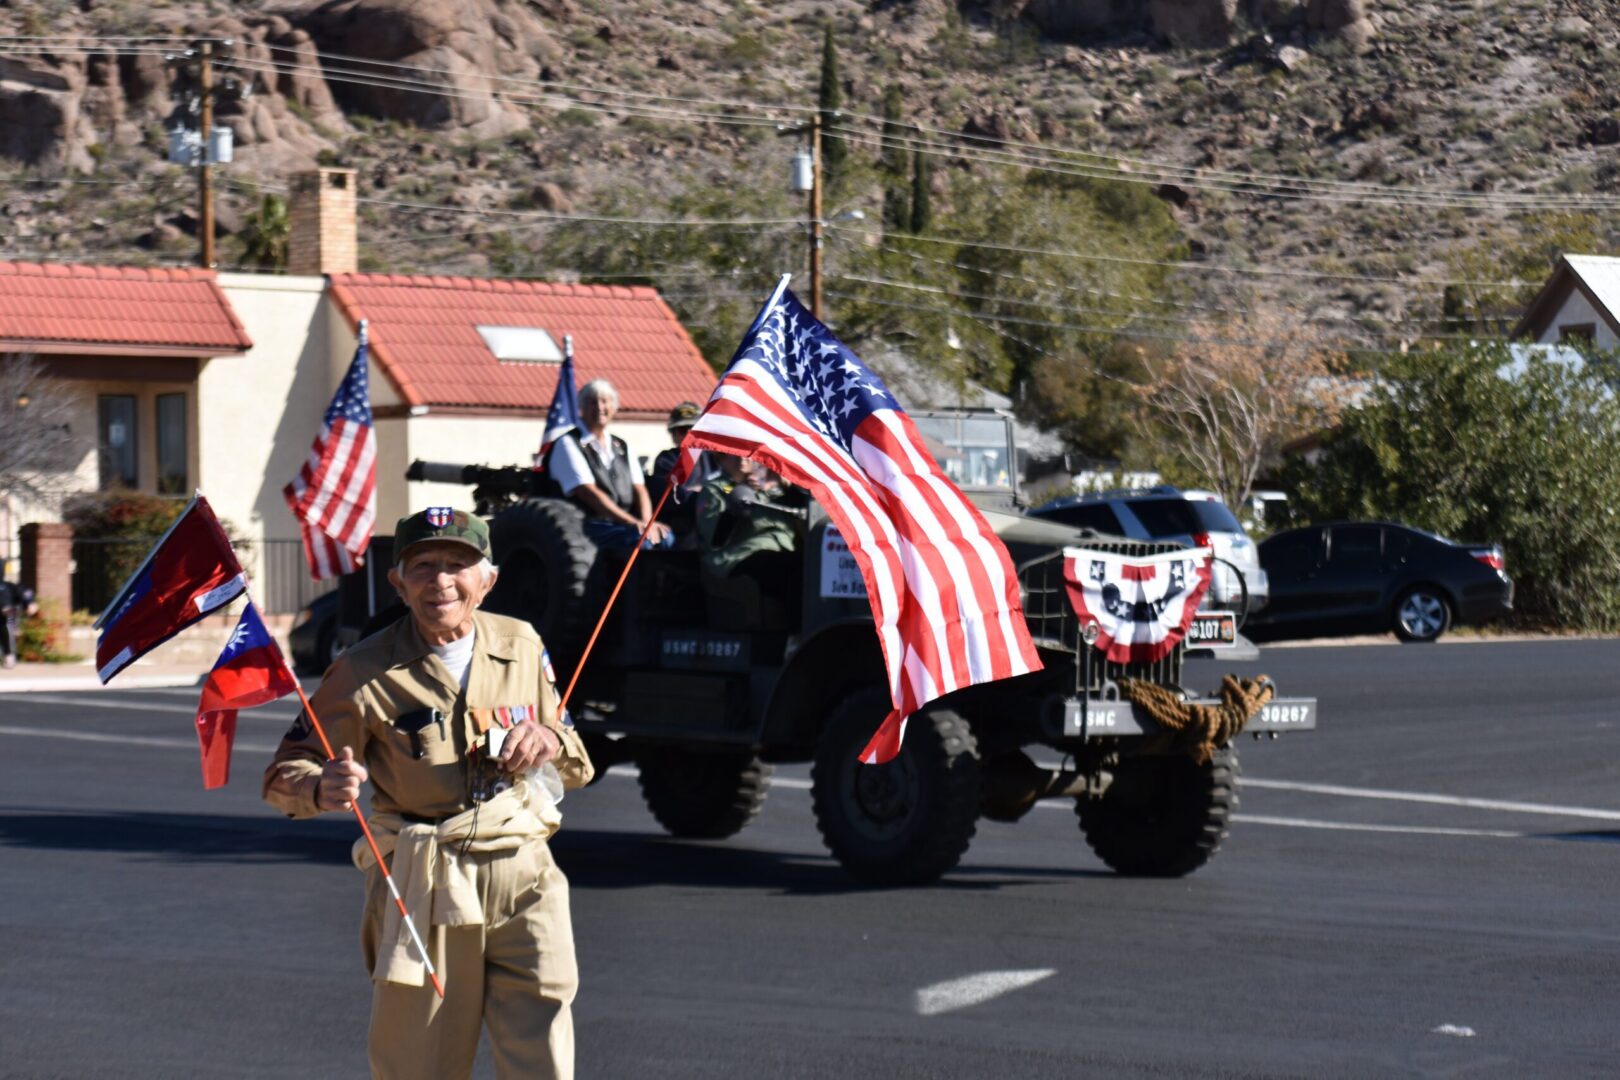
[171,444]
[1577,333]
[116,435]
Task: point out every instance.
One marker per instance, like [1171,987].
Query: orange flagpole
[631,561]
[399,901]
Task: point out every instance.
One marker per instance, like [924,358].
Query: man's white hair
[486,569]
[598,388]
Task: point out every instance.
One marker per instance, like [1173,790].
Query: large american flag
[334,496]
[941,585]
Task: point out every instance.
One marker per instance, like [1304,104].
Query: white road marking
[1065,805]
[103,703]
[136,706]
[1458,1030]
[1437,800]
[1350,826]
[126,740]
[975,989]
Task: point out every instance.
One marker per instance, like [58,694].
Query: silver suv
[1194,518]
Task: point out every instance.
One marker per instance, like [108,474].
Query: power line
[1049,283]
[1348,346]
[1183,320]
[985,245]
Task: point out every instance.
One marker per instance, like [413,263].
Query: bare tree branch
[1225,408]
[38,448]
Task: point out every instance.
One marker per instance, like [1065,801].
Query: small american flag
[941,585]
[563,415]
[334,496]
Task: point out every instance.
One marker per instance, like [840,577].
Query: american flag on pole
[563,415]
[334,496]
[941,585]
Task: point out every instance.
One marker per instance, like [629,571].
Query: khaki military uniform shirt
[394,674]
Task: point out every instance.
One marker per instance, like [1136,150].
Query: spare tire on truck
[544,559]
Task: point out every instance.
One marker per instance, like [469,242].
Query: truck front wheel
[702,796]
[904,822]
[1162,816]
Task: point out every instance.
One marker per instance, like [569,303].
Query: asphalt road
[1423,887]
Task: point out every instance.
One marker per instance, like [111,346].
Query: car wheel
[1422,614]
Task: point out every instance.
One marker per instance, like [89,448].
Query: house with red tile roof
[191,379]
[123,350]
[463,369]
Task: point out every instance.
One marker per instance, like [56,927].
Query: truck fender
[819,673]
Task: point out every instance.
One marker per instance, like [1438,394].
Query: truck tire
[1162,816]
[702,796]
[905,822]
[544,559]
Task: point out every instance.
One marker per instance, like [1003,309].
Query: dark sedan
[1370,576]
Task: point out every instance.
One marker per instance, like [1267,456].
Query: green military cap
[684,415]
[443,524]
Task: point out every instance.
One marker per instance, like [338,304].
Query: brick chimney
[322,223]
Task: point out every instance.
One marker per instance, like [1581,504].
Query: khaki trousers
[516,972]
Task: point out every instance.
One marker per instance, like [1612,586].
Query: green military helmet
[441,523]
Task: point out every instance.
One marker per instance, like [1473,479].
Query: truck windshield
[971,449]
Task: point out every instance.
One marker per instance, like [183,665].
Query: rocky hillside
[1352,156]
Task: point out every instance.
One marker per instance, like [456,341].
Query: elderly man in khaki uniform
[453,717]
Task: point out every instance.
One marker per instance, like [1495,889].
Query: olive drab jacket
[417,733]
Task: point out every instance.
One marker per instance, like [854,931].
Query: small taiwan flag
[251,671]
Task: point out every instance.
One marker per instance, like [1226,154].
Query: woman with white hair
[597,471]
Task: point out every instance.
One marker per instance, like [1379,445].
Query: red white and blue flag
[251,671]
[1142,604]
[334,496]
[942,587]
[563,416]
[191,572]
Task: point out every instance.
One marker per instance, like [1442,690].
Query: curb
[27,684]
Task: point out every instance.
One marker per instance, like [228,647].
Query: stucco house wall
[1577,310]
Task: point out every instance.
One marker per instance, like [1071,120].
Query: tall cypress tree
[831,98]
[922,213]
[895,163]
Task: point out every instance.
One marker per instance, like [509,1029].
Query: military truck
[706,684]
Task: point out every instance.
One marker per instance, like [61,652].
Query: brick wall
[47,568]
[321,220]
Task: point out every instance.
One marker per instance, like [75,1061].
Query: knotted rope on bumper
[1201,729]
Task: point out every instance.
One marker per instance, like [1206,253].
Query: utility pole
[205,168]
[807,178]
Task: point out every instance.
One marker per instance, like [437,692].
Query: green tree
[830,100]
[1482,445]
[922,210]
[267,232]
[895,163]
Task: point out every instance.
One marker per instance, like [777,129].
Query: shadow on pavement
[188,837]
[595,859]
[1594,836]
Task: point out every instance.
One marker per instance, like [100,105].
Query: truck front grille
[1054,625]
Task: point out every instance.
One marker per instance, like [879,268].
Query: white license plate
[1212,630]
